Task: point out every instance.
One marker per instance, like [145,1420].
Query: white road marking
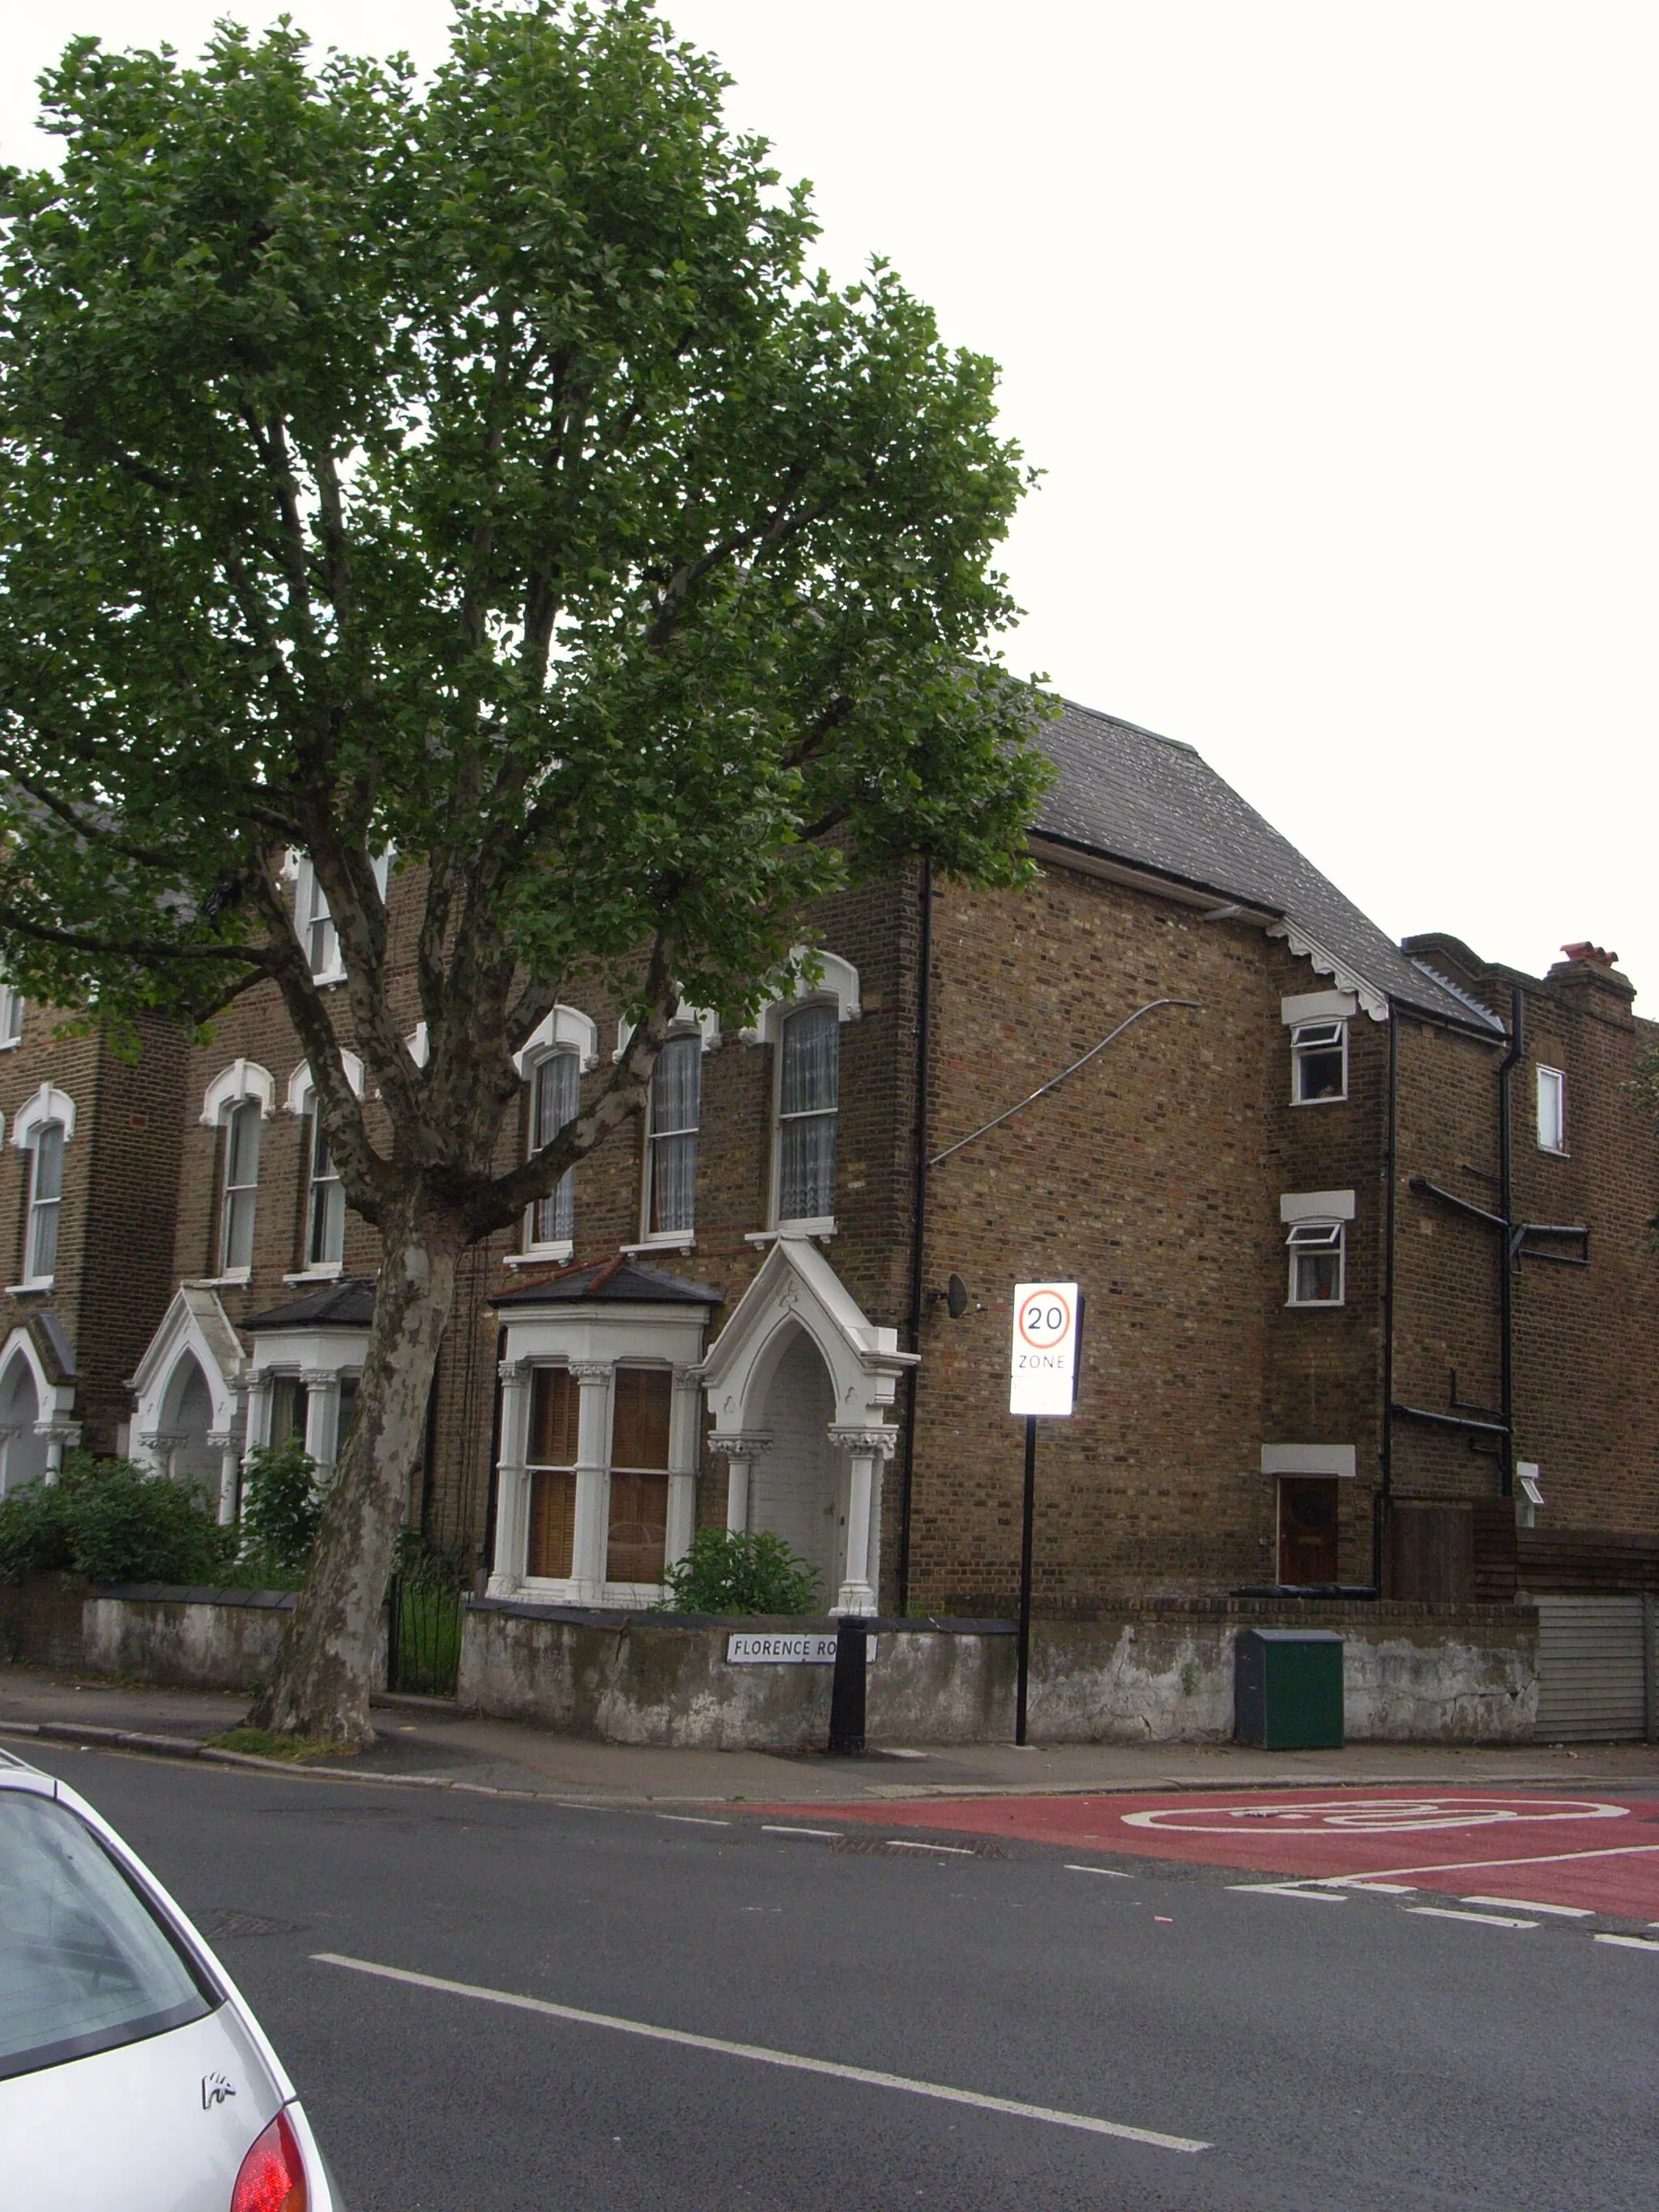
[1286,1889]
[1477,1866]
[824,1835]
[693,1820]
[1527,1904]
[870,2077]
[1391,1889]
[956,1851]
[1629,1942]
[1485,1919]
[1115,1874]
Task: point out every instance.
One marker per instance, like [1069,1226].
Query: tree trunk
[326,1673]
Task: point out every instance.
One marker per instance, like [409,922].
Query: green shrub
[114,1523]
[282,1509]
[726,1572]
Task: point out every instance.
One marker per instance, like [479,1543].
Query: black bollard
[847,1690]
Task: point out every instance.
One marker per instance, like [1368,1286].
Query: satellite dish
[955,1297]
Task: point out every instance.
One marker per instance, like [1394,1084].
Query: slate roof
[1152,803]
[349,1304]
[621,1281]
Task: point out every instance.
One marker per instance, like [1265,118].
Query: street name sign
[753,1650]
[1043,1371]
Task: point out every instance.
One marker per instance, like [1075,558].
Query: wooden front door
[1307,1529]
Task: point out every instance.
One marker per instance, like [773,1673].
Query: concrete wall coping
[785,1624]
[194,1593]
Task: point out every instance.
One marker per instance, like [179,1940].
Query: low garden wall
[1141,1673]
[194,1639]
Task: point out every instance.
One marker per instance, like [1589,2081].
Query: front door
[1307,1529]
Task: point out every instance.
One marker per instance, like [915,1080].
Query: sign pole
[1024,1674]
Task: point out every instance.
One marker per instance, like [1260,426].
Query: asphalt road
[1351,2059]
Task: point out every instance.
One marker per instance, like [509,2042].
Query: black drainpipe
[1506,1256]
[918,1228]
[1379,1518]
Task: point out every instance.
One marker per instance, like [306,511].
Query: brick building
[1364,1230]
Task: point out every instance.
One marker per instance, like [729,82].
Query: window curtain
[556,1095]
[809,1086]
[676,1112]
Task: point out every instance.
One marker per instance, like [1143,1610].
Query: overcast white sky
[1334,328]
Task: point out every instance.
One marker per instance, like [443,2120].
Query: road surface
[490,2003]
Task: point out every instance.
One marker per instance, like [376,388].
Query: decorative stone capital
[882,1441]
[221,1440]
[687,1377]
[320,1378]
[512,1371]
[590,1372]
[739,1445]
[69,1433]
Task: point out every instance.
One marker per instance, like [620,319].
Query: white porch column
[739,1450]
[223,1441]
[684,1404]
[61,1435]
[258,1410]
[322,1416]
[512,1482]
[868,1451]
[592,1527]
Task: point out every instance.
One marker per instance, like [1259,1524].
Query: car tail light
[273,2175]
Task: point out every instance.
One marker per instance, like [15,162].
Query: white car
[132,2074]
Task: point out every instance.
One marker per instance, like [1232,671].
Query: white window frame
[11,1018]
[1315,1235]
[651,1239]
[1310,1037]
[311,909]
[316,1140]
[1553,1080]
[822,1224]
[237,1272]
[35,1277]
[49,1107]
[547,1247]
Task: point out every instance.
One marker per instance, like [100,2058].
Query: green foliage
[270,1743]
[282,1509]
[479,469]
[116,1522]
[733,1573]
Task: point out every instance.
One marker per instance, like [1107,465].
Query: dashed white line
[1113,1874]
[1629,1942]
[1483,1919]
[954,1851]
[824,1835]
[1528,1905]
[869,2076]
[693,1820]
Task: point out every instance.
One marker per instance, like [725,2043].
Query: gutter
[918,1229]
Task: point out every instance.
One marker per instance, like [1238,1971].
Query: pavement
[635,2006]
[427,1740]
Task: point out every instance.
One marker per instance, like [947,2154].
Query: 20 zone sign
[1042,1372]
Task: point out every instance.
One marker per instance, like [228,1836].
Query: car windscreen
[84,1963]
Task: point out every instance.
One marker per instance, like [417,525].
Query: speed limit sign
[1042,1372]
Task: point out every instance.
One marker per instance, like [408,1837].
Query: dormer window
[1319,1063]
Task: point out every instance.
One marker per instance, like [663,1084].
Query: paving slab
[423,1737]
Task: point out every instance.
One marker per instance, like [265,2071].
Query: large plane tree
[475,470]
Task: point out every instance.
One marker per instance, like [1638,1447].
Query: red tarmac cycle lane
[1597,1852]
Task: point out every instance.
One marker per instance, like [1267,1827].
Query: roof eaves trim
[1485,1015]
[1143,875]
[1303,947]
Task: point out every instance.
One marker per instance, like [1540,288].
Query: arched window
[11,1016]
[809,1086]
[676,1113]
[554,1095]
[240,1187]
